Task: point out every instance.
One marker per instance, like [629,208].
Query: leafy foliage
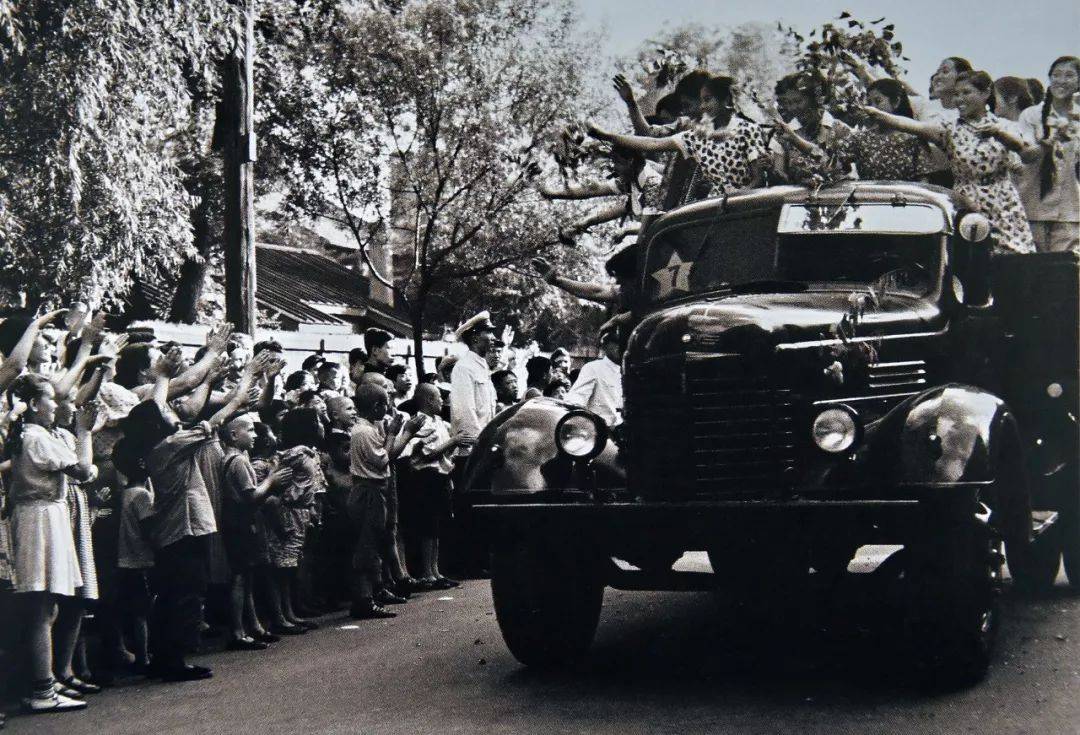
[95,124]
[823,52]
[422,128]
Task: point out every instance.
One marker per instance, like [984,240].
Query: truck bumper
[699,522]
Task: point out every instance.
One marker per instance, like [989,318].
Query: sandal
[59,687]
[81,686]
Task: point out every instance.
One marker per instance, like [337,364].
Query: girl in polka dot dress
[980,148]
[730,149]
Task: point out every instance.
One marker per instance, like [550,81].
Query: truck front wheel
[547,599]
[954,582]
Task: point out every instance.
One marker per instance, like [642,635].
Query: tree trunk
[189,286]
[416,315]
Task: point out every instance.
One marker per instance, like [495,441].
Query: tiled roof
[296,282]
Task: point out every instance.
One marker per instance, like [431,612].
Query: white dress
[44,548]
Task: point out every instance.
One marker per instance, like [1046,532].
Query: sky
[1014,37]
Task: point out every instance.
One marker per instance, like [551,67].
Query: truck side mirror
[971,260]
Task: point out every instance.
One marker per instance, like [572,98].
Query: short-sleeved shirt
[37,471]
[434,432]
[182,504]
[1062,201]
[368,458]
[238,491]
[136,505]
[725,156]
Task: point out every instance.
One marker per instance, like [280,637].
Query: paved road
[662,662]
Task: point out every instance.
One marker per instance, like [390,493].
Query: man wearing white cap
[472,394]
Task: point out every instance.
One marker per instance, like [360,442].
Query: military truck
[810,372]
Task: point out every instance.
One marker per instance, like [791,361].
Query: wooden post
[239,99]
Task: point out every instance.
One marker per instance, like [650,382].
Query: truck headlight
[835,429]
[580,435]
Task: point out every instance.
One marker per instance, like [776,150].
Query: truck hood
[756,323]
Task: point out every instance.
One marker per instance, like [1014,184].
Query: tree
[424,124]
[94,124]
[755,54]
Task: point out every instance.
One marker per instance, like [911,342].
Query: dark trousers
[367,513]
[334,550]
[180,577]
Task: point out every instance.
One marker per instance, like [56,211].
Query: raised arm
[85,420]
[64,382]
[600,293]
[107,352]
[15,363]
[626,93]
[269,388]
[216,340]
[1029,152]
[928,131]
[239,397]
[640,143]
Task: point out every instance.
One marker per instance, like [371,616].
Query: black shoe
[375,612]
[187,672]
[266,637]
[386,597]
[245,644]
[445,583]
[308,624]
[81,686]
[288,630]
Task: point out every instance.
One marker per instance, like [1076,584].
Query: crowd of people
[161,496]
[1007,147]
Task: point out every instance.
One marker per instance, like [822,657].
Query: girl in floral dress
[730,149]
[807,144]
[882,154]
[979,146]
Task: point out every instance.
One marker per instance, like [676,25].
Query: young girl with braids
[979,146]
[1050,187]
[46,565]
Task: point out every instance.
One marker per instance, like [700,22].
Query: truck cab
[810,372]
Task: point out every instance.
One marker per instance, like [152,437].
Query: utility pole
[239,103]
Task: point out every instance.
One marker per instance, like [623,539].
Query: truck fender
[959,435]
[517,450]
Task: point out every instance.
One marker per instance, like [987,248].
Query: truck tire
[547,600]
[953,584]
[1034,567]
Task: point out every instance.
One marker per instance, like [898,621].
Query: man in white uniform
[472,394]
[599,384]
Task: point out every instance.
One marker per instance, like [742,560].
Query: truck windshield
[737,252]
[897,263]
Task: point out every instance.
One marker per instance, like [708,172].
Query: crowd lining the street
[153,493]
[134,477]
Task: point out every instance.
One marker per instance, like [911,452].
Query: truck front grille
[742,439]
[706,429]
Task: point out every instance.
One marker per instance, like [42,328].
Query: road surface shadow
[844,644]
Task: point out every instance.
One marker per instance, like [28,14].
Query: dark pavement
[662,662]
